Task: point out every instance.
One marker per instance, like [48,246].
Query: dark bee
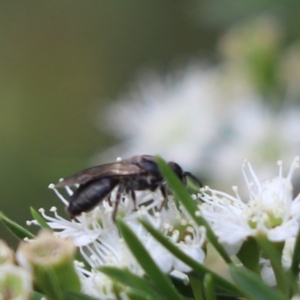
[137,173]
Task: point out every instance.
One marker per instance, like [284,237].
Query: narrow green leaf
[19,231]
[198,268]
[37,216]
[116,290]
[209,289]
[162,282]
[49,284]
[190,205]
[293,283]
[135,295]
[249,255]
[296,258]
[128,279]
[274,253]
[77,296]
[293,272]
[252,285]
[197,287]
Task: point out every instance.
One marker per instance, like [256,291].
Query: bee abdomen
[88,195]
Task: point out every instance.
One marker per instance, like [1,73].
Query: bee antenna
[193,177]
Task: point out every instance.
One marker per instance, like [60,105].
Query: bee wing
[106,170]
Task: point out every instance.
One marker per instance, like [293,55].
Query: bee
[137,173]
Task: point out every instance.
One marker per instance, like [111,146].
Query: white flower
[270,210]
[101,244]
[180,229]
[98,285]
[267,273]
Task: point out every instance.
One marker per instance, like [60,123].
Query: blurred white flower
[270,209]
[258,134]
[210,118]
[177,116]
[207,119]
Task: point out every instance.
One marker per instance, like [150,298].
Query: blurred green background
[61,60]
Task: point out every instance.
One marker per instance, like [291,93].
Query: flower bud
[50,258]
[15,282]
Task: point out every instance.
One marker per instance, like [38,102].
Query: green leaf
[77,296]
[252,285]
[37,296]
[49,284]
[161,281]
[274,252]
[57,278]
[19,231]
[135,282]
[294,270]
[116,290]
[209,289]
[296,257]
[182,194]
[249,255]
[37,216]
[197,287]
[135,295]
[199,269]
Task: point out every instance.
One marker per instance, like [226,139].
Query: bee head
[177,170]
[182,175]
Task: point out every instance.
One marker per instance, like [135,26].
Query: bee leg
[109,200]
[118,199]
[131,194]
[164,194]
[133,200]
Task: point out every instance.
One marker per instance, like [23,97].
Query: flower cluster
[270,211]
[245,230]
[101,244]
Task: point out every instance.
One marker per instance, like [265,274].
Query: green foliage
[77,296]
[19,231]
[37,216]
[252,286]
[140,286]
[249,255]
